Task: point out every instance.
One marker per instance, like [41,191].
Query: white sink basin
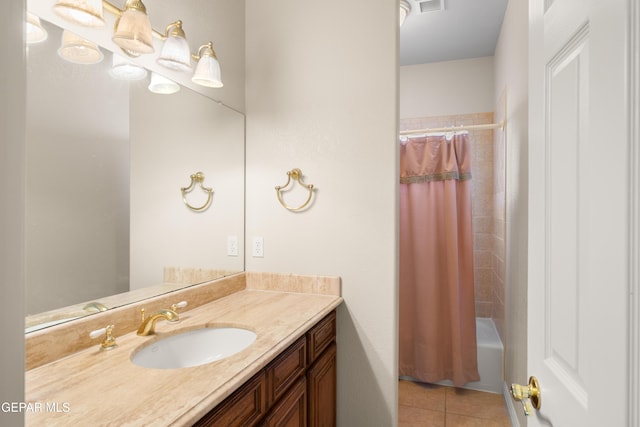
[194,347]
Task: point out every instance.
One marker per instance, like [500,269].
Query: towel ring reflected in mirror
[296,175]
[197,178]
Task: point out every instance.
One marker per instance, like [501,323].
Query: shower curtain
[437,308]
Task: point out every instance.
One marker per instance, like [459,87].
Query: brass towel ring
[296,174]
[197,177]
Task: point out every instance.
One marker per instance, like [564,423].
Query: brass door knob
[529,395]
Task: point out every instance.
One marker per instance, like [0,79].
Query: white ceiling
[464,29]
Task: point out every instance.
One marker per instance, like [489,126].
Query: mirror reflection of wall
[77,193]
[106,160]
[192,135]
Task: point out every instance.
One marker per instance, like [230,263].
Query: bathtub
[490,354]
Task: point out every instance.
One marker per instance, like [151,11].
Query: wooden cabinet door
[291,411]
[321,385]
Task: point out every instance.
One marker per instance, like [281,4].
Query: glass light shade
[84,12]
[126,70]
[35,32]
[78,50]
[175,54]
[133,32]
[207,72]
[162,85]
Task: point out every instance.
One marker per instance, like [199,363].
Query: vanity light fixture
[124,69]
[78,50]
[133,32]
[134,35]
[208,69]
[35,31]
[405,9]
[162,85]
[84,12]
[175,53]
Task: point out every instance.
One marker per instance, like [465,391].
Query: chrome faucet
[147,327]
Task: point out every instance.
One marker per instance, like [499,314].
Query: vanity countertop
[96,387]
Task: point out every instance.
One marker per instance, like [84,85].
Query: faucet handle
[109,340]
[176,306]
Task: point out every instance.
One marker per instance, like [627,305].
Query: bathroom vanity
[286,377]
[297,388]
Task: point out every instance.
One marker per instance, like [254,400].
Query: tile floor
[430,405]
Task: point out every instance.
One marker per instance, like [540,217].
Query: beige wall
[12,105]
[447,88]
[511,59]
[321,96]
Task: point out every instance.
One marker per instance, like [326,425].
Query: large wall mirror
[106,159]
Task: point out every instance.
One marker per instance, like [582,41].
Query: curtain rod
[488,126]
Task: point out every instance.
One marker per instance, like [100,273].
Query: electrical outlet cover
[258,247]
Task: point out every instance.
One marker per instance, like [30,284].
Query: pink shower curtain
[437,308]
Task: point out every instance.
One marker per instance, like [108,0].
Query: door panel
[578,212]
[567,91]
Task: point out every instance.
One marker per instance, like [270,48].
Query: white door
[579,212]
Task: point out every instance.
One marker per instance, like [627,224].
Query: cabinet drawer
[245,407]
[320,336]
[285,370]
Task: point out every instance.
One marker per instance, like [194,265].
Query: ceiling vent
[430,5]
